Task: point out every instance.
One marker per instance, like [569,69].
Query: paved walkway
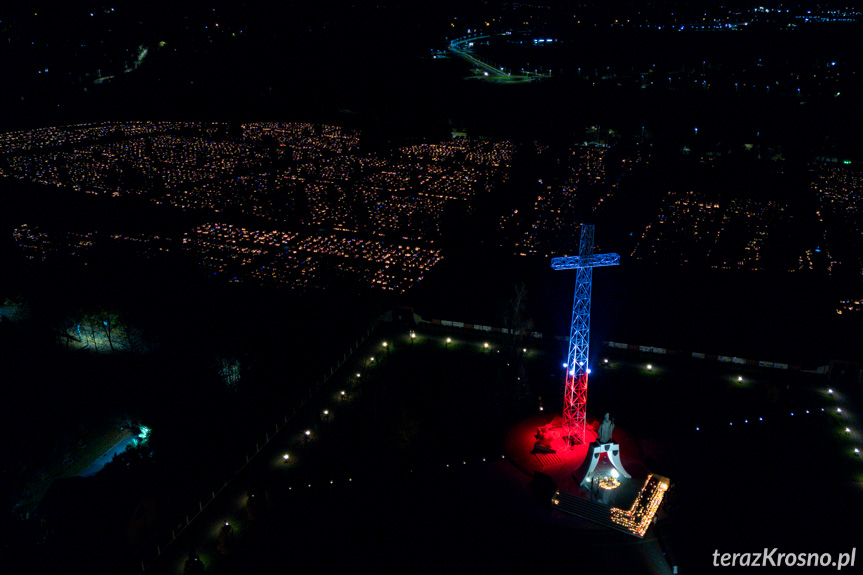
[106,457]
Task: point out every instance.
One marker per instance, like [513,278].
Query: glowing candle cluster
[639,516]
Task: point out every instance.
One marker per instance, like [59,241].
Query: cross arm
[591,261]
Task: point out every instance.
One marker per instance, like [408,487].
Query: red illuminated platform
[564,466]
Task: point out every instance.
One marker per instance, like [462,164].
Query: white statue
[605,430]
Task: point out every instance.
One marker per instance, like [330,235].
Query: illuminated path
[496,481]
[462,49]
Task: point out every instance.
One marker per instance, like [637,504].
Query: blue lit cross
[575,395]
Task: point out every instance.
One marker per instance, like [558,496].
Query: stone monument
[605,445]
[605,430]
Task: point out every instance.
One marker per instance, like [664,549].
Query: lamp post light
[485,346]
[448,341]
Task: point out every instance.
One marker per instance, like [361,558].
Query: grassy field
[417,483]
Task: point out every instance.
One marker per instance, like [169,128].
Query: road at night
[461,48]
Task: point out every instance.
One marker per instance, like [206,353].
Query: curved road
[462,49]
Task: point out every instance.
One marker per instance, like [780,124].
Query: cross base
[596,449]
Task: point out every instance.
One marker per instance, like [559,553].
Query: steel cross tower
[575,395]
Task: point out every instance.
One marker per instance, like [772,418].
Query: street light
[649,366]
[286,456]
[448,341]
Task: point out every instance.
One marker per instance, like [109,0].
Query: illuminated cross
[575,394]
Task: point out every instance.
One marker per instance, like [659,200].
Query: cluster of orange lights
[638,517]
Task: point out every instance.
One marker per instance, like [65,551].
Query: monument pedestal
[596,449]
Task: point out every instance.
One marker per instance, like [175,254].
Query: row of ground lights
[839,411]
[307,434]
[791,414]
[225,529]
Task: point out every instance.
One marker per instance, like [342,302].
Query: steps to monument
[547,459]
[595,512]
